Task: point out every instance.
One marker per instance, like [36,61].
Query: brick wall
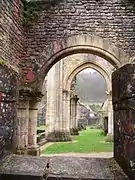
[113,20]
[11,35]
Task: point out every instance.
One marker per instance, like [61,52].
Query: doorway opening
[63,98]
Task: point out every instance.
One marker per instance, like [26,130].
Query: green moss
[2,61]
[28,91]
[33,8]
[31,12]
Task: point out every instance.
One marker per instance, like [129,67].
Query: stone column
[66,110]
[51,103]
[73,114]
[33,148]
[78,113]
[56,127]
[27,123]
[110,118]
[22,125]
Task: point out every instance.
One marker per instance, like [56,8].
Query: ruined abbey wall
[11,50]
[111,20]
[47,33]
[11,33]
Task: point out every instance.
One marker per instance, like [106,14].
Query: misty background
[91,87]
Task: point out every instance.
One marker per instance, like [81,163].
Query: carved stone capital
[30,94]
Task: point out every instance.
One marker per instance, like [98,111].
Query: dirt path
[95,155]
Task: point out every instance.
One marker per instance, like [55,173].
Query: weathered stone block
[124,114]
[8,108]
[8,84]
[33,151]
[23,167]
[123,83]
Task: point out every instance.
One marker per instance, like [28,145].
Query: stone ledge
[34,151]
[82,168]
[65,168]
[22,167]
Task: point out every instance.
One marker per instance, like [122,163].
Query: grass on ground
[41,127]
[90,140]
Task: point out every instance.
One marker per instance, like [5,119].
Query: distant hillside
[91,87]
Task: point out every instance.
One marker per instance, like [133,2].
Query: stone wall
[11,35]
[84,118]
[11,52]
[123,84]
[111,20]
[8,108]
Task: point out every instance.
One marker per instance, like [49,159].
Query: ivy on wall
[31,12]
[33,8]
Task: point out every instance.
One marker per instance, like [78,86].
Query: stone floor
[17,167]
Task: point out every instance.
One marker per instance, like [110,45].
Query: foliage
[92,126]
[96,126]
[95,107]
[88,141]
[42,127]
[1,60]
[31,12]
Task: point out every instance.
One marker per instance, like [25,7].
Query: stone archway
[74,45]
[73,106]
[106,75]
[80,44]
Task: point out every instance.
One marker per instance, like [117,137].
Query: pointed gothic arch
[105,74]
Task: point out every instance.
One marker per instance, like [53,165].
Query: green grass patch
[90,140]
[42,127]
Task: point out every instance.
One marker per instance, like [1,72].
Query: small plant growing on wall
[1,60]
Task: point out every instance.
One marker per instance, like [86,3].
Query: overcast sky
[91,86]
[88,70]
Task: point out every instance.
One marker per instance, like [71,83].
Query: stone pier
[33,148]
[123,86]
[73,115]
[57,129]
[27,123]
[22,125]
[110,118]
[66,110]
